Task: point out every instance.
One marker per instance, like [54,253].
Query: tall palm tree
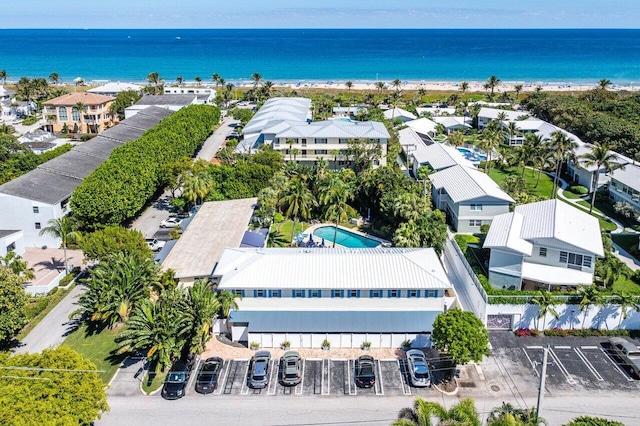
[604,83]
[456,139]
[257,80]
[63,228]
[562,150]
[298,201]
[512,129]
[517,88]
[380,86]
[198,80]
[179,80]
[422,413]
[464,86]
[602,158]
[202,308]
[589,296]
[546,303]
[348,84]
[215,77]
[626,301]
[3,76]
[154,79]
[54,78]
[491,83]
[490,141]
[334,197]
[81,110]
[267,87]
[228,302]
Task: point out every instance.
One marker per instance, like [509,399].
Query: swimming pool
[472,156]
[344,238]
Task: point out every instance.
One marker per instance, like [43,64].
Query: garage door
[499,322]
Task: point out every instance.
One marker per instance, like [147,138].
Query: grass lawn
[625,241]
[285,229]
[570,195]
[153,380]
[543,190]
[98,347]
[625,284]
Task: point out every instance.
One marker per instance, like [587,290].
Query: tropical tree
[179,80]
[461,335]
[407,235]
[604,83]
[334,198]
[589,296]
[3,76]
[423,413]
[380,86]
[593,421]
[491,83]
[518,89]
[464,86]
[54,78]
[298,201]
[227,302]
[626,301]
[562,150]
[63,228]
[14,302]
[198,80]
[508,415]
[490,141]
[215,77]
[202,307]
[81,107]
[257,80]
[348,85]
[154,79]
[603,159]
[14,263]
[546,303]
[103,243]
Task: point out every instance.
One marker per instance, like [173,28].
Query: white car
[418,368]
[171,222]
[155,245]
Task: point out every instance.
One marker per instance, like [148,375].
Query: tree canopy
[103,243]
[461,335]
[13,303]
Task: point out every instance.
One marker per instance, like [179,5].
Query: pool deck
[312,228]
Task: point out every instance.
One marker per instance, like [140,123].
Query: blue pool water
[472,156]
[344,238]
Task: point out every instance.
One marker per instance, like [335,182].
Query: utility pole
[543,376]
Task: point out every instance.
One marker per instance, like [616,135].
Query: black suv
[365,372]
[175,385]
[207,379]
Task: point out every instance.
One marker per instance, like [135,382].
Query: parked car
[365,372]
[207,379]
[418,368]
[291,368]
[628,353]
[155,245]
[171,222]
[175,385]
[260,370]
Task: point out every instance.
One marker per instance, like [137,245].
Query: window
[413,293]
[563,257]
[337,293]
[275,293]
[298,293]
[543,252]
[36,209]
[38,225]
[475,223]
[575,261]
[321,141]
[304,142]
[75,114]
[238,292]
[11,247]
[315,293]
[586,261]
[62,114]
[354,293]
[375,293]
[476,207]
[321,151]
[393,293]
[431,293]
[259,293]
[342,140]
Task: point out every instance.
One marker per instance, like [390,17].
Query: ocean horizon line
[325,28]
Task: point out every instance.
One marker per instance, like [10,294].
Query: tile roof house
[93,116]
[543,245]
[469,198]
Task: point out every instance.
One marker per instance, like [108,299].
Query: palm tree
[464,86]
[546,303]
[512,129]
[518,89]
[397,85]
[507,414]
[268,85]
[154,79]
[456,139]
[334,197]
[228,302]
[198,80]
[3,76]
[202,308]
[295,152]
[407,235]
[589,296]
[81,110]
[422,412]
[489,141]
[626,301]
[215,77]
[492,82]
[257,79]
[380,86]
[298,201]
[601,157]
[179,81]
[63,228]
[54,78]
[562,149]
[604,83]
[348,84]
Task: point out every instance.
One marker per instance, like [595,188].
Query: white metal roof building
[548,243]
[113,88]
[625,186]
[464,184]
[437,156]
[383,295]
[399,114]
[486,115]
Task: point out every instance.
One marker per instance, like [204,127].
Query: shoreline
[474,86]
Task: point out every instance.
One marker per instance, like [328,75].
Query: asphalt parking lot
[573,364]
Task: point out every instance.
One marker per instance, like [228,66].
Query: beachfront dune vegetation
[120,187]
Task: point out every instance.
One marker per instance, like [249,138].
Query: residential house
[454,124]
[425,128]
[11,240]
[346,296]
[436,111]
[172,102]
[79,112]
[436,156]
[543,245]
[113,88]
[625,186]
[399,114]
[205,95]
[487,115]
[469,198]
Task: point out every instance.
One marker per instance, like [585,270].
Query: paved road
[214,142]
[55,327]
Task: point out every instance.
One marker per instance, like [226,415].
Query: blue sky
[320,14]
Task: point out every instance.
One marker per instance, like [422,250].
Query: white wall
[340,341]
[17,238]
[17,213]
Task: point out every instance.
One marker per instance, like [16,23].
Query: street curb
[454,392]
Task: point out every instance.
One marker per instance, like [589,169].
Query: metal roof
[397,113]
[388,268]
[336,321]
[629,176]
[168,99]
[422,125]
[122,133]
[505,232]
[114,88]
[440,156]
[492,113]
[555,275]
[336,129]
[73,163]
[294,109]
[41,185]
[6,232]
[465,184]
[98,146]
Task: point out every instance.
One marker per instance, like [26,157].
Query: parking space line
[405,386]
[226,364]
[589,347]
[349,364]
[301,385]
[562,347]
[535,347]
[192,377]
[271,381]
[562,368]
[328,377]
[589,365]
[380,381]
[616,366]
[244,389]
[533,365]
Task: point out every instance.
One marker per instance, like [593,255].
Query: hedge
[121,186]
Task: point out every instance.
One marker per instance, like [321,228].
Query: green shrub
[485,228]
[579,189]
[68,278]
[587,332]
[29,120]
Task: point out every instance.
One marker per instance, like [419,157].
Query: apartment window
[304,142]
[62,114]
[413,293]
[75,114]
[275,293]
[586,261]
[543,252]
[238,292]
[563,256]
[354,293]
[11,247]
[315,293]
[431,293]
[475,223]
[259,293]
[304,152]
[575,261]
[321,141]
[36,209]
[476,207]
[375,293]
[38,225]
[393,293]
[298,293]
[343,140]
[337,293]
[321,152]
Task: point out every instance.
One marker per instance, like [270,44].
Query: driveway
[126,381]
[214,142]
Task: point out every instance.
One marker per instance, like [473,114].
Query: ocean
[565,56]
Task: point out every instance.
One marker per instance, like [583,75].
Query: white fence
[342,340]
